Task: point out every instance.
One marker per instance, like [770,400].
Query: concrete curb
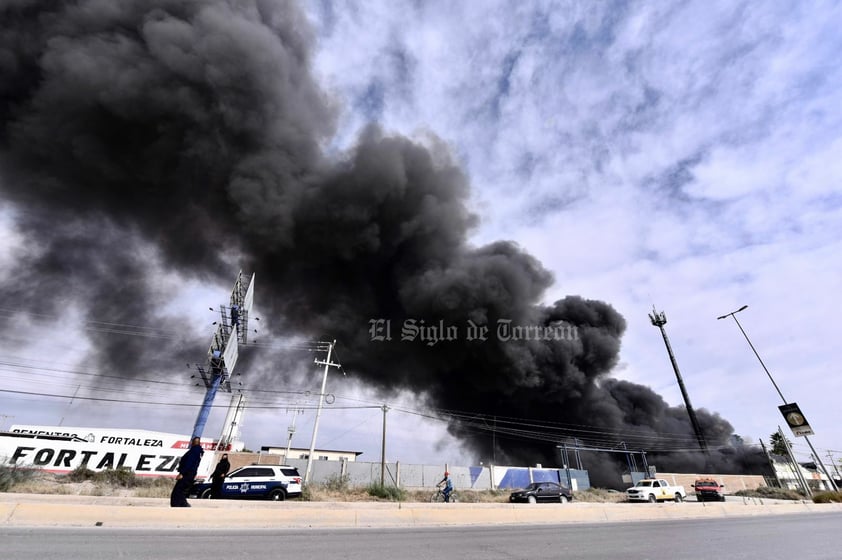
[20,510]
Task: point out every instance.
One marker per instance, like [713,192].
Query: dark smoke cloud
[141,136]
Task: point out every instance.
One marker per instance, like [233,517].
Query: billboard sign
[62,449]
[795,419]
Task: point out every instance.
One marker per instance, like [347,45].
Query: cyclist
[448,486]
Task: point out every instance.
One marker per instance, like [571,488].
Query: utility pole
[231,428]
[327,364]
[835,467]
[76,392]
[494,442]
[799,475]
[385,409]
[771,463]
[659,320]
[291,431]
[733,315]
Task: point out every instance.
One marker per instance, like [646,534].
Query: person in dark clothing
[218,476]
[216,363]
[448,486]
[235,316]
[188,466]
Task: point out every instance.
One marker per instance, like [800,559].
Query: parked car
[542,492]
[271,482]
[655,490]
[708,490]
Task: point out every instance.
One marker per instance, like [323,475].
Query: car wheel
[206,494]
[652,499]
[563,499]
[678,498]
[721,498]
[277,495]
[531,500]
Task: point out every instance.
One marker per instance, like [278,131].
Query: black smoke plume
[189,136]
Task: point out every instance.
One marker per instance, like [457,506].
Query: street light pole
[733,315]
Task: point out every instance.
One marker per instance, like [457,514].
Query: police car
[271,482]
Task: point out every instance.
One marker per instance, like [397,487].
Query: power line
[79,372]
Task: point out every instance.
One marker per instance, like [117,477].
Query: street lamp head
[733,312]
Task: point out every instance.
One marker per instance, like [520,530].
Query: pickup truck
[655,490]
[708,490]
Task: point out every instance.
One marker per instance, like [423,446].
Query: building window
[322,457]
[304,456]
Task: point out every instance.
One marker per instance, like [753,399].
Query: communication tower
[659,320]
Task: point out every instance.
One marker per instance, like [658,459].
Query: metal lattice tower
[231,331]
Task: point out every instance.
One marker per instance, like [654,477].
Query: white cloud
[677,154]
[683,155]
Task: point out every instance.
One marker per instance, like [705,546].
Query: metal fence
[417,477]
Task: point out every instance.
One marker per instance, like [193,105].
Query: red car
[708,490]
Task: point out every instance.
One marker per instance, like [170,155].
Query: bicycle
[438,496]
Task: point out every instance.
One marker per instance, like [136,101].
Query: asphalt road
[803,536]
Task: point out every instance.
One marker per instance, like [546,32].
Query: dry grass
[827,497]
[593,495]
[156,491]
[769,492]
[38,482]
[600,495]
[40,487]
[320,494]
[334,490]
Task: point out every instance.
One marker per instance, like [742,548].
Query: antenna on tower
[659,320]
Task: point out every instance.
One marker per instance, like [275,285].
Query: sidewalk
[29,510]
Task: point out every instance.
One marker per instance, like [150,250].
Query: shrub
[827,497]
[122,476]
[10,476]
[337,483]
[80,474]
[385,492]
[769,492]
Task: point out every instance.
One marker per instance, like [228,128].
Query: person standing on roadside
[218,476]
[188,466]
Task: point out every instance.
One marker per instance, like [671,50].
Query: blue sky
[682,155]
